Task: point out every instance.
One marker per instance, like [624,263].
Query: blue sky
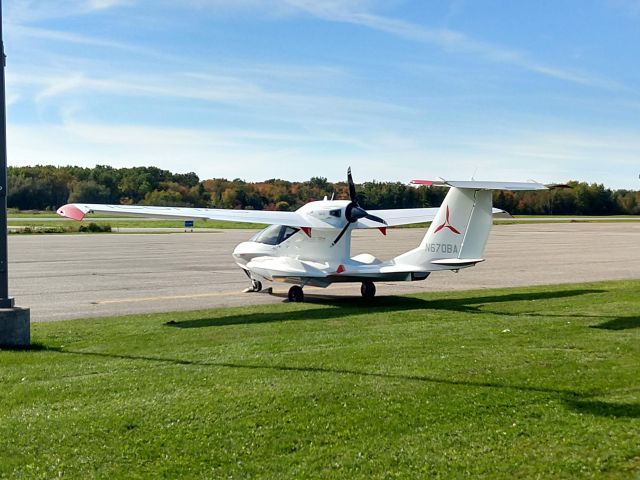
[259,89]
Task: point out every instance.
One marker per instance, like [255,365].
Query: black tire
[368,289]
[296,294]
[256,285]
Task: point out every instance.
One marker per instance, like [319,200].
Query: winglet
[71,211]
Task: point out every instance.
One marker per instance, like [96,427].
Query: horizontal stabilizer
[497,213]
[457,262]
[479,185]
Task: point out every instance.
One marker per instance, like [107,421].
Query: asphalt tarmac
[76,276]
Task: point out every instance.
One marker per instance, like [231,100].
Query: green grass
[537,382]
[14,212]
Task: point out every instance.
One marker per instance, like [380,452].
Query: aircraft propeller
[354,211]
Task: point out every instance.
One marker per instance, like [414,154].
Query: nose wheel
[256,286]
[295,294]
[368,289]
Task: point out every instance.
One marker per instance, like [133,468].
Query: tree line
[46,187]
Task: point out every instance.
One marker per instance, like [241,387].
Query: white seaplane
[312,246]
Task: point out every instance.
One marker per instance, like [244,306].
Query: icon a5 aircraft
[312,246]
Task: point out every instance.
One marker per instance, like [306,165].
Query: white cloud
[105,4]
[60,85]
[27,11]
[358,12]
[447,39]
[21,31]
[355,12]
[608,157]
[209,153]
[304,125]
[12,98]
[248,90]
[628,6]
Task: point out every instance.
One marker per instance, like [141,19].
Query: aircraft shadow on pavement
[346,306]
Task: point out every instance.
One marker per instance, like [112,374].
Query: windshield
[274,234]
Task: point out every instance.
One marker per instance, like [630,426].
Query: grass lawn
[537,382]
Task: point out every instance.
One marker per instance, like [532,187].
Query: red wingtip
[383,230]
[306,230]
[70,211]
[340,269]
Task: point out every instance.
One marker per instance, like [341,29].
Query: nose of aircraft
[241,254]
[247,251]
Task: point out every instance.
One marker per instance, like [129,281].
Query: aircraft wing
[393,217]
[77,211]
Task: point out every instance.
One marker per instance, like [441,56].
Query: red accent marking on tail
[383,230]
[340,269]
[447,224]
[306,230]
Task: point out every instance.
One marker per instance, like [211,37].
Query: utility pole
[5,300]
[14,322]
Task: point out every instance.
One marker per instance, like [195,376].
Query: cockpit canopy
[274,234]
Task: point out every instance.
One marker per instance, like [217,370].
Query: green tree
[89,191]
[163,198]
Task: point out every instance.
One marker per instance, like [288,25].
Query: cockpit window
[269,235]
[274,234]
[335,213]
[287,232]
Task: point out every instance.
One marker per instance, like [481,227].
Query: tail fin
[460,230]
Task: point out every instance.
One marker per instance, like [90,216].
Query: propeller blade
[342,232]
[356,213]
[352,187]
[375,219]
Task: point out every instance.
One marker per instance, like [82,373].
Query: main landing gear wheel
[368,289]
[296,294]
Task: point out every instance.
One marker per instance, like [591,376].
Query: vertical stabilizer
[458,235]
